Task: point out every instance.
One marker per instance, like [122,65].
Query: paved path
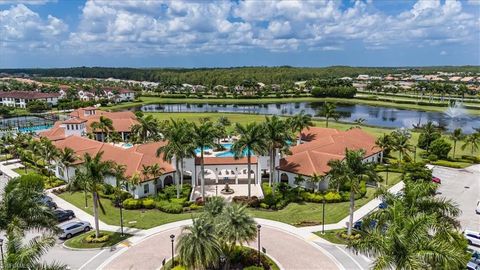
[284,243]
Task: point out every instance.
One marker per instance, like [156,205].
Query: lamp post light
[1,251]
[323,216]
[120,204]
[258,240]
[223,259]
[172,239]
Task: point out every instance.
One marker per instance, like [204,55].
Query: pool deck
[239,190]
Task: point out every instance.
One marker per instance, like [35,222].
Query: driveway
[463,187]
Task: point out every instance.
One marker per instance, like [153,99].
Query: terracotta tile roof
[74,121]
[133,158]
[121,121]
[323,145]
[55,133]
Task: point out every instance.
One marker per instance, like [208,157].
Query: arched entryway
[168,180]
[210,177]
[243,176]
[284,178]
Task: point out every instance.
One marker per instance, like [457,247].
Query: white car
[477,210]
[473,237]
[72,228]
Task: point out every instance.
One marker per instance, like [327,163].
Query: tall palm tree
[96,170]
[156,171]
[66,157]
[235,226]
[20,205]
[104,125]
[472,140]
[329,111]
[80,181]
[299,122]
[401,144]
[384,142]
[147,129]
[417,231]
[252,140]
[179,146]
[456,136]
[198,247]
[28,255]
[204,136]
[145,171]
[277,135]
[352,171]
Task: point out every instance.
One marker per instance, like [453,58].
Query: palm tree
[352,171]
[315,179]
[155,171]
[20,205]
[417,231]
[472,140]
[96,170]
[179,146]
[384,142]
[400,143]
[328,111]
[214,206]
[203,136]
[28,255]
[80,180]
[147,129]
[67,157]
[252,140]
[104,125]
[277,135]
[198,247]
[235,226]
[299,122]
[145,171]
[456,136]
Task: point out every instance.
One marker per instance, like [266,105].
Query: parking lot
[462,186]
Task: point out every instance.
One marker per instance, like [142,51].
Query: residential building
[118,94]
[20,99]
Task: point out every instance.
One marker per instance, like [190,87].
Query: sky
[204,33]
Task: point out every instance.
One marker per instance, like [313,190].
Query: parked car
[75,227]
[477,210]
[473,266]
[473,237]
[382,205]
[436,180]
[63,215]
[358,225]
[48,202]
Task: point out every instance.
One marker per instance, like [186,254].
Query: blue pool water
[228,153]
[127,145]
[35,128]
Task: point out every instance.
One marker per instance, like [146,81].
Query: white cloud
[443,53]
[175,26]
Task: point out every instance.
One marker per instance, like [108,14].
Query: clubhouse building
[311,157]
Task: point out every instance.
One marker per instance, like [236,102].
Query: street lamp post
[121,217]
[323,216]
[172,239]
[222,261]
[1,251]
[258,240]
[386,179]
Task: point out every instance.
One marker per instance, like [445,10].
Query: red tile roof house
[81,120]
[21,98]
[307,159]
[118,94]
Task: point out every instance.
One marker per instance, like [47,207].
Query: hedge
[338,92]
[132,204]
[169,207]
[102,239]
[447,163]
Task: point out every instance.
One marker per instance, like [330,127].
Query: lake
[373,115]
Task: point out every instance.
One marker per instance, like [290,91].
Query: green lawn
[131,218]
[21,171]
[79,240]
[331,236]
[358,100]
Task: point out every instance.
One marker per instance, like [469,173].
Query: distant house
[455,79]
[467,79]
[118,94]
[20,99]
[363,77]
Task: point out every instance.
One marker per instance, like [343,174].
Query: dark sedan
[63,215]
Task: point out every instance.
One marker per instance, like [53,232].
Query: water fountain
[455,110]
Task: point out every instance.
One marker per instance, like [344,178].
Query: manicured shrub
[181,201]
[102,239]
[471,158]
[169,207]
[264,205]
[332,197]
[447,163]
[195,206]
[148,203]
[432,157]
[132,204]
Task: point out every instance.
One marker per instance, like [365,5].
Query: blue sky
[176,33]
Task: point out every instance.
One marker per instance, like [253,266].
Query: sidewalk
[8,169]
[357,215]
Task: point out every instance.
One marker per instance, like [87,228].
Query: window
[146,188]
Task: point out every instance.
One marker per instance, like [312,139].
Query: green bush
[264,205]
[169,207]
[333,197]
[447,163]
[471,158]
[148,203]
[102,239]
[181,201]
[132,203]
[195,206]
[440,148]
[339,91]
[432,157]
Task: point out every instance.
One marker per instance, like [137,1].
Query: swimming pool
[127,145]
[34,128]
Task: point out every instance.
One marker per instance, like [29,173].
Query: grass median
[79,241]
